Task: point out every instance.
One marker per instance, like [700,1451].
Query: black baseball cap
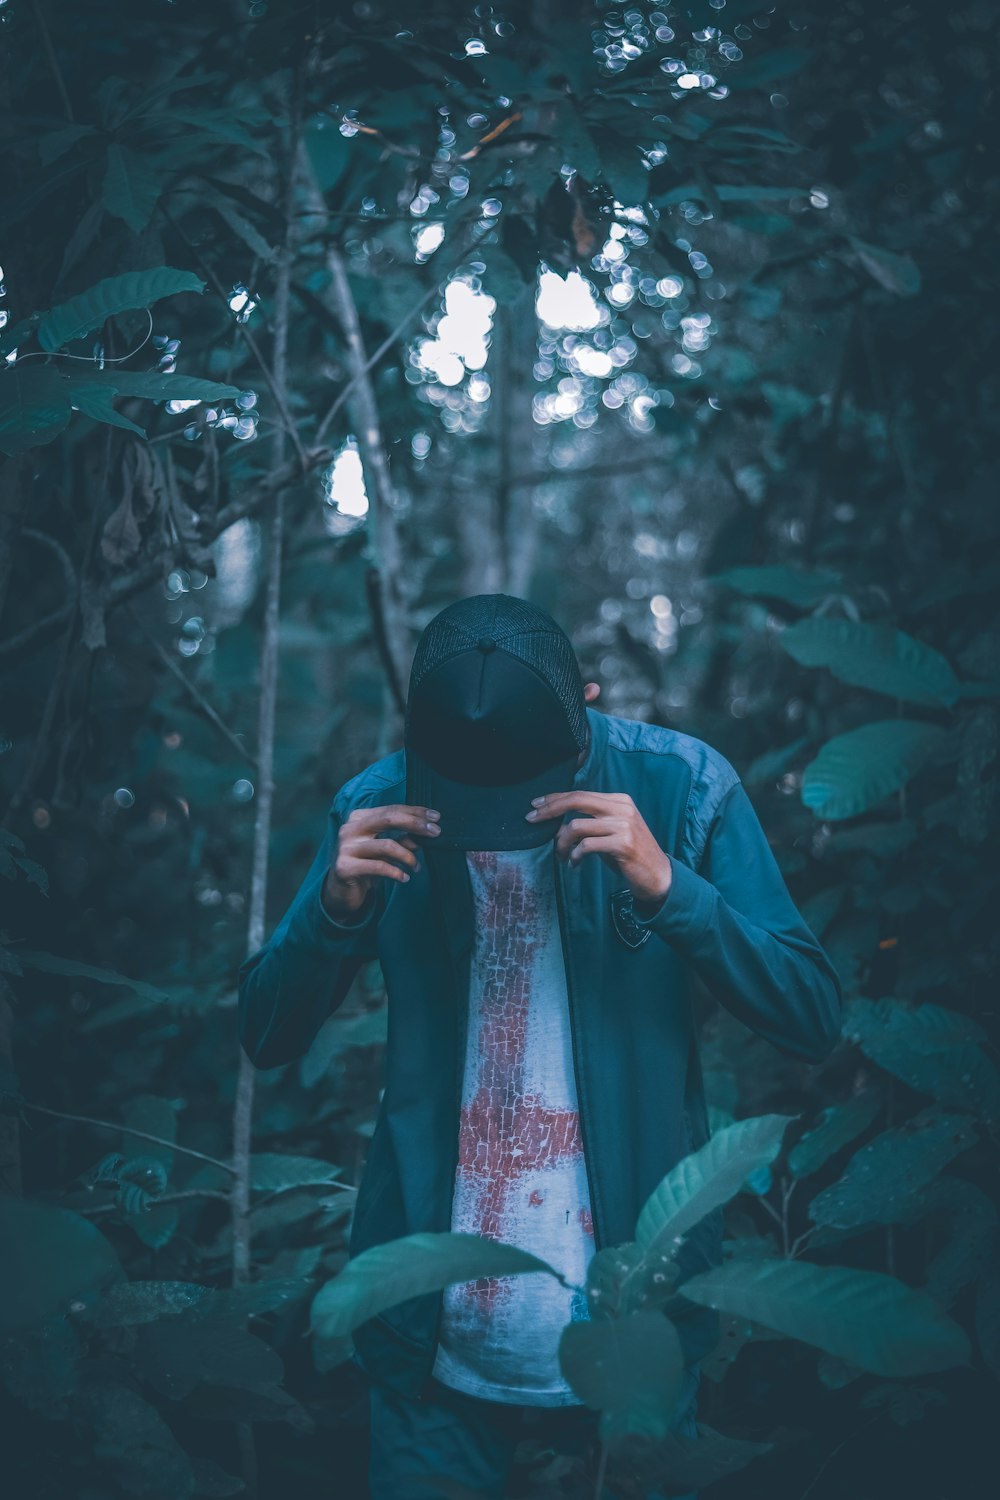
[495,715]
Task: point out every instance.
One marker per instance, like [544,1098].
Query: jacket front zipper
[461,1039]
[560,907]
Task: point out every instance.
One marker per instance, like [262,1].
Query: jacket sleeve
[737,924]
[288,988]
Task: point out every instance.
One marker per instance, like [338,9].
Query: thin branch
[17,642]
[195,693]
[188,1193]
[142,1135]
[53,61]
[360,373]
[269,375]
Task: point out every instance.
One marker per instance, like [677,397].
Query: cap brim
[486,817]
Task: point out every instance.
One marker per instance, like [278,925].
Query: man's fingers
[596,803]
[396,815]
[364,869]
[382,849]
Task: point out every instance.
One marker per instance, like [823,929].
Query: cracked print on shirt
[521,1175]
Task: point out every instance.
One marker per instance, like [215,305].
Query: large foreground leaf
[629,1369]
[881,1182]
[115,294]
[931,1048]
[410,1267]
[876,657]
[50,1259]
[865,1317]
[706,1179]
[854,771]
[838,1124]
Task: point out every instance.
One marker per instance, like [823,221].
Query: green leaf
[155,386]
[838,1124]
[969,1219]
[175,1355]
[50,1260]
[133,1443]
[50,963]
[882,1181]
[33,407]
[275,1174]
[875,657]
[926,1027]
[96,402]
[865,1317]
[898,274]
[681,1465]
[629,1369]
[115,294]
[131,188]
[881,839]
[771,763]
[790,585]
[410,1267]
[706,1179]
[932,1049]
[133,1302]
[856,770]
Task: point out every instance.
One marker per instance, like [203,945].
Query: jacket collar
[585,774]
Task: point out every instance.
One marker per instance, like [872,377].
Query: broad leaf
[157,385]
[131,187]
[177,1354]
[629,1369]
[33,407]
[706,1179]
[50,963]
[875,657]
[931,1048]
[838,1124]
[133,1302]
[97,402]
[857,770]
[71,320]
[865,1317]
[790,585]
[881,1181]
[896,273]
[274,1174]
[678,1464]
[51,1260]
[410,1267]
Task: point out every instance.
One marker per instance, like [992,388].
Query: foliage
[758,493]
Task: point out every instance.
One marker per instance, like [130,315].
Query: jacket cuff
[686,909]
[325,924]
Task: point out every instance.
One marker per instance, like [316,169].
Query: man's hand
[615,829]
[362,856]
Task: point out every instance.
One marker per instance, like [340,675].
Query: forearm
[759,958]
[288,988]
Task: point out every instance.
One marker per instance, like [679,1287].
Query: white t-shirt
[521,1175]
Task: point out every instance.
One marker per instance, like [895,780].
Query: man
[540,882]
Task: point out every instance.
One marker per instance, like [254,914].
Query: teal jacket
[727,918]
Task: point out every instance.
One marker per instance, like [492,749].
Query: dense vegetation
[276,387]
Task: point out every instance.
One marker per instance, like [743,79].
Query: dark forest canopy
[679,319]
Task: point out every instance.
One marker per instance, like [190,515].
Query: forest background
[676,318]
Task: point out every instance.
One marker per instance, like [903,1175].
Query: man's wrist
[336,910]
[646,907]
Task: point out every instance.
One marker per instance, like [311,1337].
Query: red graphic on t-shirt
[506,1132]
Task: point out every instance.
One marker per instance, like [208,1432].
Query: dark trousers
[471,1441]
